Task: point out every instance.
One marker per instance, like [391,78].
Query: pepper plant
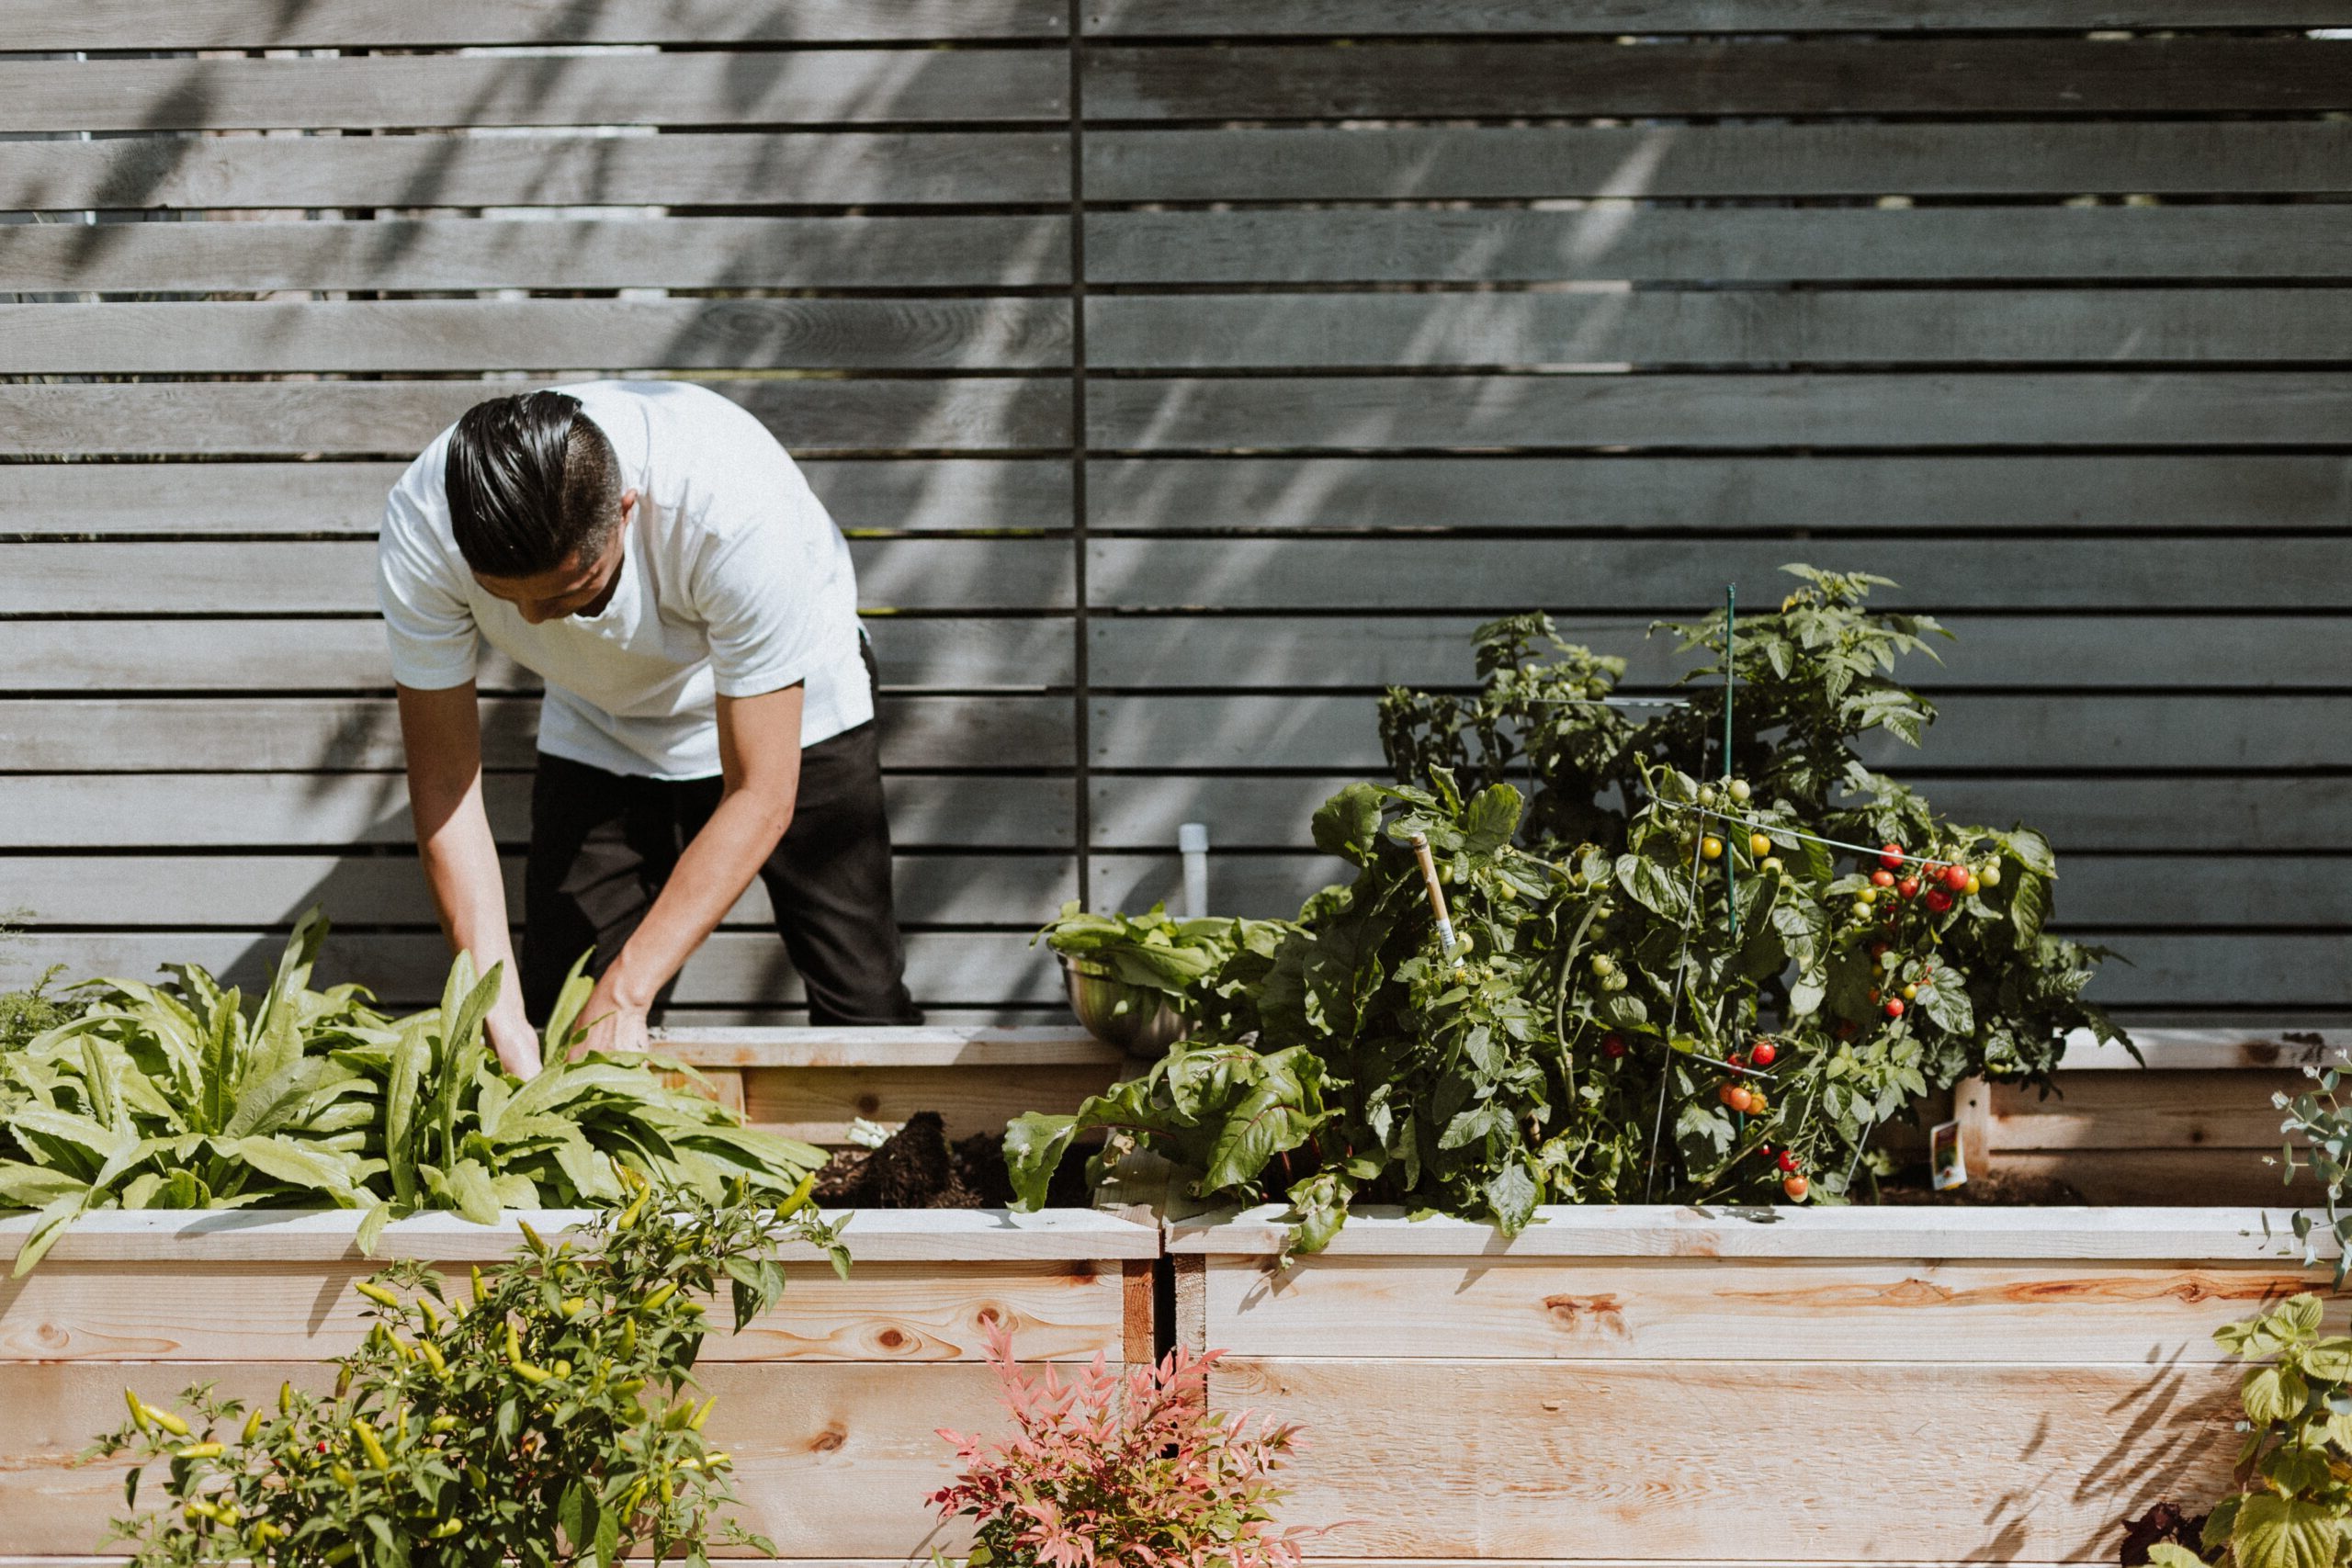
[546,1416]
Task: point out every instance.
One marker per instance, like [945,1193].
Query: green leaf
[2273,1394]
[1511,1192]
[2028,906]
[1654,888]
[1033,1146]
[2284,1532]
[1946,1003]
[2164,1554]
[2302,1313]
[1279,1113]
[1348,825]
[1490,820]
[286,1161]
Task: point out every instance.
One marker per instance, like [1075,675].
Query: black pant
[602,844]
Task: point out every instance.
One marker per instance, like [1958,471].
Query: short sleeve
[435,641]
[755,593]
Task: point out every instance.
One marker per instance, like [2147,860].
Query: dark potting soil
[918,1168]
[1996,1190]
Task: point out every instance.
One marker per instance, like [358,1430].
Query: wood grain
[1241,18]
[2154,1109]
[1380,1309]
[689,169]
[835,86]
[261,24]
[974,250]
[816,1104]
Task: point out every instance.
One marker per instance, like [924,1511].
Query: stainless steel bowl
[1137,1018]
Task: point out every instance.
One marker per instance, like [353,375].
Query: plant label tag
[1947,1161]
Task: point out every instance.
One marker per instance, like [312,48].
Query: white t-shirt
[734,582]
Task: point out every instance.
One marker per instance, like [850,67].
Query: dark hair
[531,480]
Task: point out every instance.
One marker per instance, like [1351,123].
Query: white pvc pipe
[1192,843]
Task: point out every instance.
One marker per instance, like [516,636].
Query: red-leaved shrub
[1122,1472]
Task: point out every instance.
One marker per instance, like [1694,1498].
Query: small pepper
[657,1295]
[537,1244]
[167,1421]
[139,1417]
[253,1426]
[200,1450]
[377,1293]
[372,1445]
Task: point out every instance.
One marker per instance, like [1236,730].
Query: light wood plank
[1614,241]
[900,494]
[921,1045]
[832,86]
[347,655]
[315,1236]
[1460,80]
[978,250]
[2208,493]
[1781,1232]
[2181,1180]
[2159,1108]
[2018,652]
[818,1104]
[261,24]
[379,890]
[952,968]
[689,169]
[161,1312]
[1926,409]
[2148,733]
[360,418]
[283,734]
[132,577]
[1695,1310]
[2221,1048]
[479,334]
[1385,163]
[832,1460]
[1143,812]
[181,811]
[1242,18]
[1667,1458]
[1672,578]
[1997,326]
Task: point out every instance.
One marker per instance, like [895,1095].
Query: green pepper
[372,1445]
[200,1450]
[377,1293]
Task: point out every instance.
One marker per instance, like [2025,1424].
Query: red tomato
[1764,1052]
[1938,900]
[1895,1006]
[1788,1162]
[1909,888]
[1740,1099]
[1611,1047]
[1796,1187]
[1882,878]
[1891,857]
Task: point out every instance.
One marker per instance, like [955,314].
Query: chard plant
[1121,1472]
[177,1097]
[546,1416]
[1701,998]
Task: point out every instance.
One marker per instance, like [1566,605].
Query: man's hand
[512,1036]
[614,1025]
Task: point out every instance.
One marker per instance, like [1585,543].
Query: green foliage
[174,1097]
[2317,1128]
[35,1010]
[1207,968]
[544,1419]
[1610,1029]
[2294,1507]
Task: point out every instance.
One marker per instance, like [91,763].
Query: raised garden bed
[1768,1385]
[830,1403]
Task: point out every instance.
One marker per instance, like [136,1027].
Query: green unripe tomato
[1706,795]
[1740,791]
[1991,875]
[1603,965]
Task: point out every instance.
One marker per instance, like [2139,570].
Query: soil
[1996,1190]
[918,1168]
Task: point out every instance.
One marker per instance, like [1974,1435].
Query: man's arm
[759,753]
[443,734]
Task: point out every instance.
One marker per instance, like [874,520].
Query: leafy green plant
[174,1097]
[1204,967]
[35,1010]
[2294,1507]
[2317,1126]
[547,1418]
[1704,999]
[1109,1471]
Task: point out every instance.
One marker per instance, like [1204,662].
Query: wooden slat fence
[1187,371]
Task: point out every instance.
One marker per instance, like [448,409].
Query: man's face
[577,586]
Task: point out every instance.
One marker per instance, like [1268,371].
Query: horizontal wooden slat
[264,24]
[1555,162]
[277,735]
[1723,494]
[2154,1109]
[1986,409]
[248,499]
[253,891]
[348,654]
[1449,79]
[2180,1179]
[480,335]
[686,170]
[818,1104]
[2220,1047]
[2150,733]
[1241,18]
[1672,577]
[832,86]
[1370,1309]
[885,1045]
[166,1312]
[137,577]
[1996,326]
[1678,244]
[2099,813]
[221,810]
[1239,652]
[832,1460]
[472,253]
[2101,890]
[1666,1457]
[398,418]
[408,970]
